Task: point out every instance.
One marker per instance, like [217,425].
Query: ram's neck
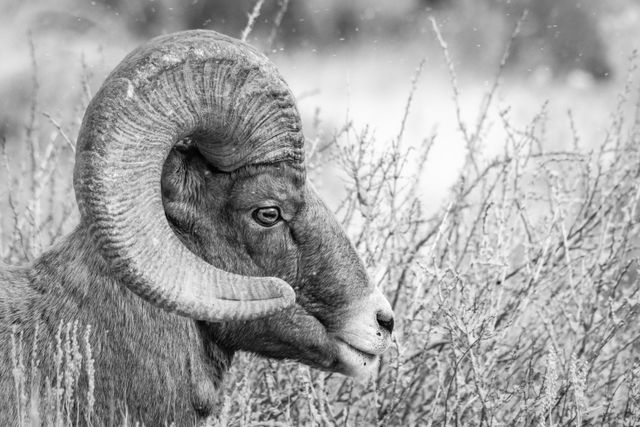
[156,363]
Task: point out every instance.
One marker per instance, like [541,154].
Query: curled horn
[194,83]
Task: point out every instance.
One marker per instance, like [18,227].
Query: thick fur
[145,359]
[165,368]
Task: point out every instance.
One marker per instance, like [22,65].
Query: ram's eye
[267,217]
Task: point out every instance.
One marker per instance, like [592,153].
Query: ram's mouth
[354,361]
[360,352]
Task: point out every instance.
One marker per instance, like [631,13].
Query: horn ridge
[173,87]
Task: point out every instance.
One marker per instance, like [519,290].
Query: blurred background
[347,62]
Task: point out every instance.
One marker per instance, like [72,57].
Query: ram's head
[190,176]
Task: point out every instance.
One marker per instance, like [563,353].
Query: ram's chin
[355,362]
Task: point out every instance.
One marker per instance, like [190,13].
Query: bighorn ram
[222,230]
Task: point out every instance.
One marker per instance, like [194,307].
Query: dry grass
[54,401]
[517,300]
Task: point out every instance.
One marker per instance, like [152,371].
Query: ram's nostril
[385,320]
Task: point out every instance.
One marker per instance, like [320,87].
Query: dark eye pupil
[266,216]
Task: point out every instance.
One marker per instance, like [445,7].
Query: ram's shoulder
[16,292]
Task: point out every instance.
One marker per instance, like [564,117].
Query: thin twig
[255,13]
[277,21]
[61,131]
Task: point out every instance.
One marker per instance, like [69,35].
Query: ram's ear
[183,175]
[183,183]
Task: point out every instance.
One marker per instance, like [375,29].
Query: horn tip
[287,293]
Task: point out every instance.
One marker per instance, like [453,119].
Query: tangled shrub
[518,299]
